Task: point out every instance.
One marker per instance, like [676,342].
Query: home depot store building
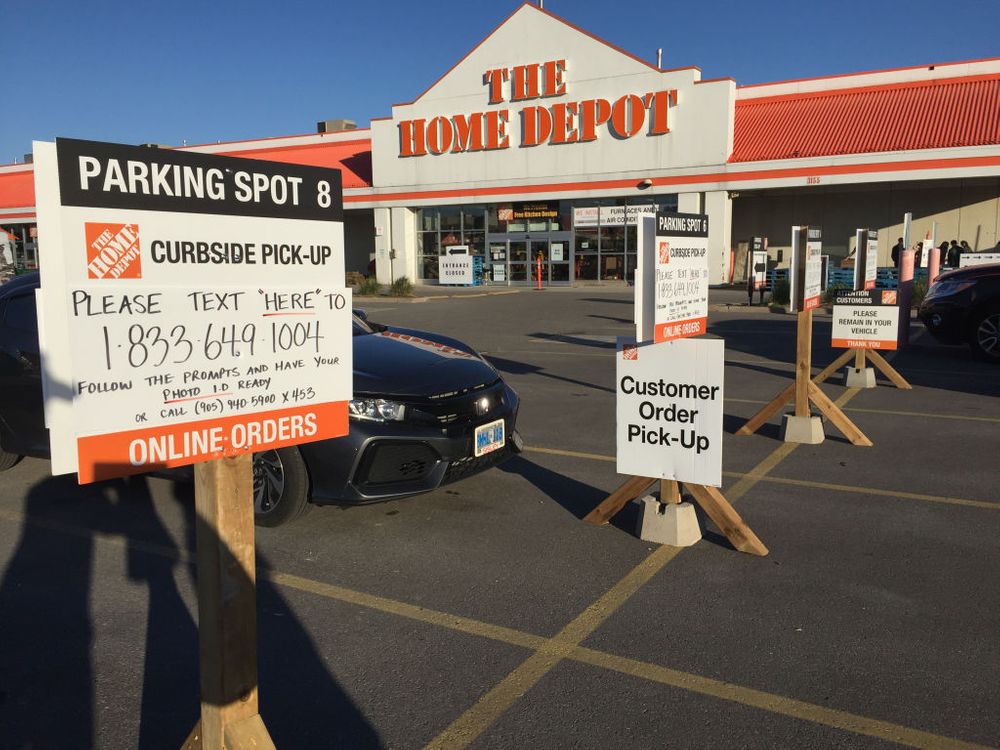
[544,141]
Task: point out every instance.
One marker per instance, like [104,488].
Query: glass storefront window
[612,240]
[476,242]
[586,267]
[612,267]
[427,243]
[586,240]
[450,218]
[427,219]
[473,218]
[429,267]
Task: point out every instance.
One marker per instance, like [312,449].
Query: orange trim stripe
[693,179]
[108,456]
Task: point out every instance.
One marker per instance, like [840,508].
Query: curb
[414,300]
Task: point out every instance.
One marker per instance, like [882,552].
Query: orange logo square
[113,251]
[889,297]
[664,251]
[630,352]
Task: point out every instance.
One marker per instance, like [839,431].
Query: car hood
[971,273]
[404,362]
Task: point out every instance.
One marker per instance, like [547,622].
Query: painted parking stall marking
[195,307]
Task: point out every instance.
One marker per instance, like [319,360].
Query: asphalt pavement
[488,615]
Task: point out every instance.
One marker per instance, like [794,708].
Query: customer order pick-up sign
[681,275]
[192,306]
[669,409]
[866,320]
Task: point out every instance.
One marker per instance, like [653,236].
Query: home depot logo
[664,251]
[113,251]
[630,352]
[889,297]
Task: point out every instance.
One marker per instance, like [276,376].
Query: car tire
[280,486]
[984,334]
[8,460]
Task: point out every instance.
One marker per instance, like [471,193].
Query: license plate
[489,437]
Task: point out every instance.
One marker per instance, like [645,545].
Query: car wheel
[280,486]
[985,335]
[8,460]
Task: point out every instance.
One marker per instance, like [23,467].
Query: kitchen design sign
[669,409]
[680,259]
[193,306]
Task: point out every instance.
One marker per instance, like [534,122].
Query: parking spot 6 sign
[192,306]
[681,277]
[669,409]
[807,268]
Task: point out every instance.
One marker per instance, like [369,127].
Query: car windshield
[360,326]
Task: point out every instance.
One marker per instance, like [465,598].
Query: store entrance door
[513,258]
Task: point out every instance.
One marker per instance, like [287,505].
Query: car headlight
[947,288]
[376,410]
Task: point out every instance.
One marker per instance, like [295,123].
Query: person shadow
[48,639]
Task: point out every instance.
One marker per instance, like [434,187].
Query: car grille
[462,408]
[466,467]
[389,463]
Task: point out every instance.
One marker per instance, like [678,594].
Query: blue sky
[137,72]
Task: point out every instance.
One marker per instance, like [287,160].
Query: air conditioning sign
[536,123]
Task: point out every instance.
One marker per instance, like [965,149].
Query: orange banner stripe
[680,329]
[119,454]
[856,344]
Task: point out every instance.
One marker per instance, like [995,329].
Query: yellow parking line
[798,482]
[477,718]
[770,702]
[549,651]
[890,412]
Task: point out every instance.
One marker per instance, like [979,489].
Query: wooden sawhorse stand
[860,355]
[710,499]
[804,390]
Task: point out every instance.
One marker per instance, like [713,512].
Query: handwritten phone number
[154,346]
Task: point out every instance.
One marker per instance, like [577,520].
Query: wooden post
[888,370]
[831,368]
[803,363]
[670,491]
[227,607]
[859,359]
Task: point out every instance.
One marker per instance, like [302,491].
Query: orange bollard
[933,265]
[539,267]
[905,295]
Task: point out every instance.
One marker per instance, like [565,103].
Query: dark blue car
[427,410]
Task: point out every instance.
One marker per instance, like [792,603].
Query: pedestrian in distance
[898,248]
[965,247]
[954,254]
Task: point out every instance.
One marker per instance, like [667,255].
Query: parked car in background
[963,306]
[427,410]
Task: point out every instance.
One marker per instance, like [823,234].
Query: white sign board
[680,281]
[757,267]
[669,409]
[499,272]
[865,258]
[193,306]
[977,259]
[807,268]
[455,269]
[866,320]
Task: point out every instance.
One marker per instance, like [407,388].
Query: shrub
[919,292]
[781,294]
[369,286]
[401,287]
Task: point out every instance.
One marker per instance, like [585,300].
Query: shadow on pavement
[513,367]
[52,629]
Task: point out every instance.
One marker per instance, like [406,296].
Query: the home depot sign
[538,124]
